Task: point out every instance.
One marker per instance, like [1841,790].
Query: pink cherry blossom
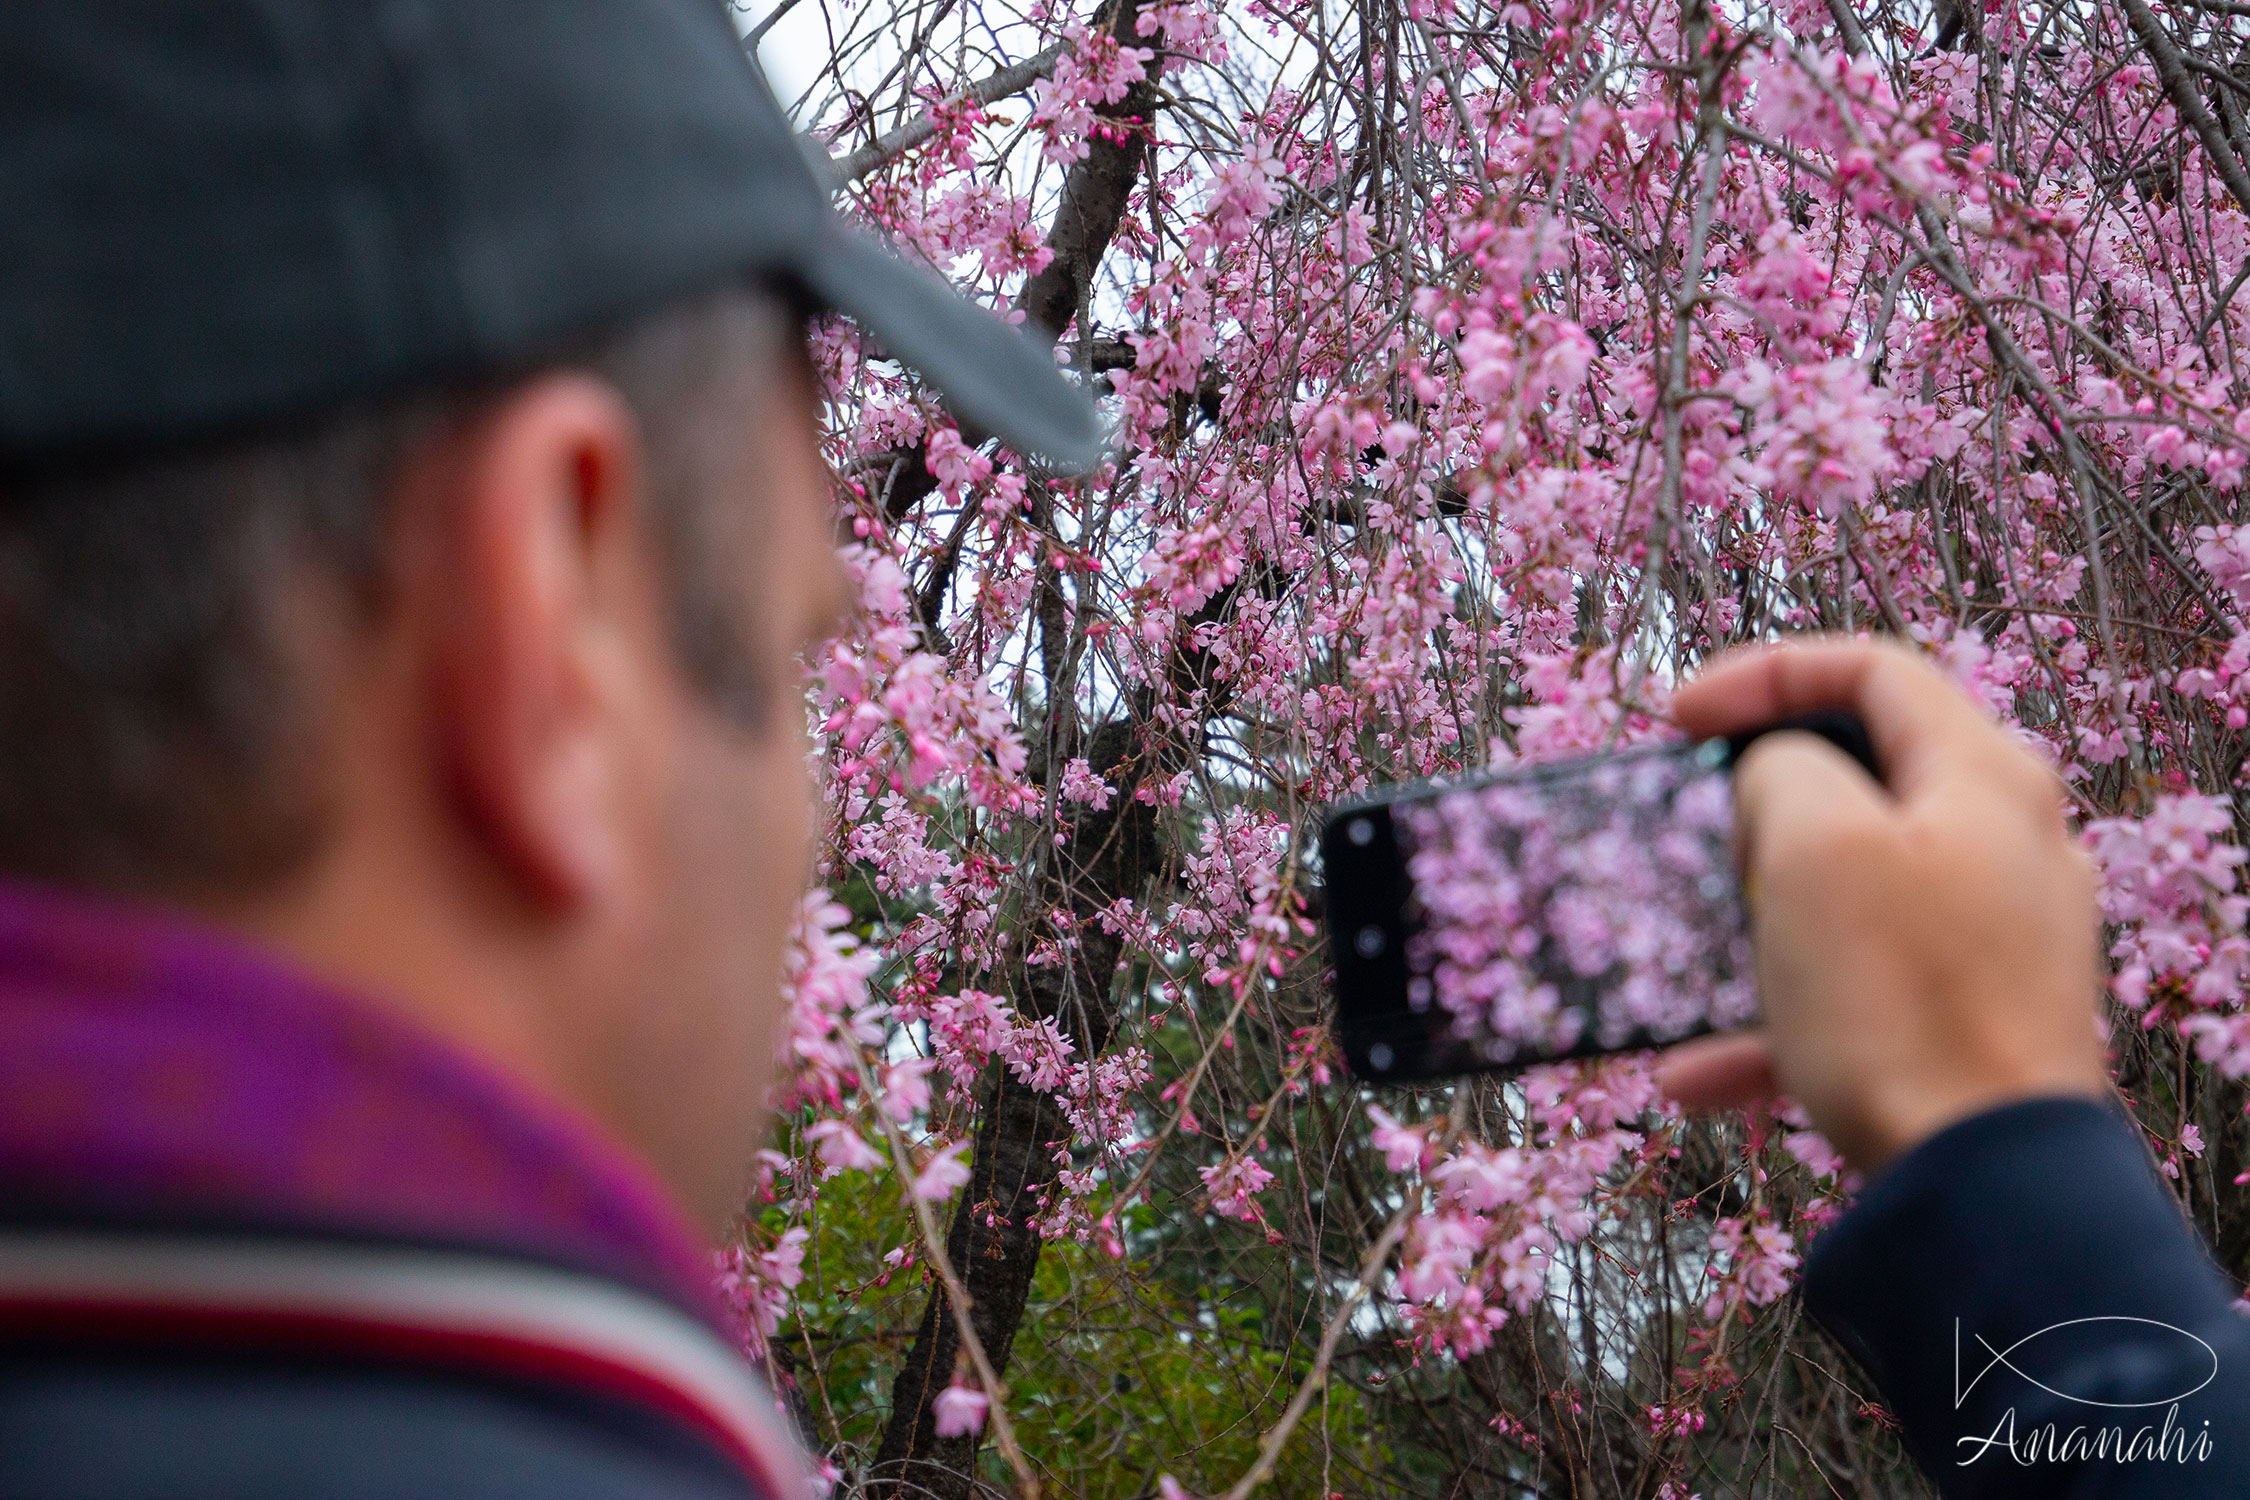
[961,1410]
[1234,1186]
[943,1175]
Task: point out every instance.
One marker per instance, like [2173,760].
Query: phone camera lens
[1379,1057]
[1360,831]
[1369,942]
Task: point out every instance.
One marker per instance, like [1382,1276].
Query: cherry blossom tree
[1476,369]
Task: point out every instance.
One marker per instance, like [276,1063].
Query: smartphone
[1562,910]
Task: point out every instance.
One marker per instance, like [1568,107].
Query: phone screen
[1563,910]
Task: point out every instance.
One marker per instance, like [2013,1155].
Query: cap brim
[995,377]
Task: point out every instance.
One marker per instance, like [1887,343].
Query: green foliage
[1118,1376]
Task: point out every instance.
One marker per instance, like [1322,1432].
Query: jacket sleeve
[2040,1316]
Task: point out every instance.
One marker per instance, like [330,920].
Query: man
[410,515]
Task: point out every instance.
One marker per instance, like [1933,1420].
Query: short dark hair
[158,725]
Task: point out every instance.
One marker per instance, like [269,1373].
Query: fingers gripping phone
[1564,910]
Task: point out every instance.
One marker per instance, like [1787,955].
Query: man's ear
[538,646]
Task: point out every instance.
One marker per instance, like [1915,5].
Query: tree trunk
[992,1242]
[996,1252]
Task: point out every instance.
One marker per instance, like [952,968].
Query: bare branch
[758,32]
[1014,79]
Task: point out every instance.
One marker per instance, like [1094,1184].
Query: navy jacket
[182,1425]
[2040,1316]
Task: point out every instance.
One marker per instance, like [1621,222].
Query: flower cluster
[2171,890]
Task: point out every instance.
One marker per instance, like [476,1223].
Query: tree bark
[1095,192]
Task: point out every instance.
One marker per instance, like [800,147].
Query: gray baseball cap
[221,213]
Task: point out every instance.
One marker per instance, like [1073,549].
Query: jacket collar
[155,1071]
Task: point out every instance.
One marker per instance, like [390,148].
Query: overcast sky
[792,51]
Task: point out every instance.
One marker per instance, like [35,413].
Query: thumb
[1791,791]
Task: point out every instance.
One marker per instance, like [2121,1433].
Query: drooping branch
[2172,72]
[1094,194]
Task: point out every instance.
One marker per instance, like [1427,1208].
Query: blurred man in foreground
[410,516]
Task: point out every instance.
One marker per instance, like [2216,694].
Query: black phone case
[1371,908]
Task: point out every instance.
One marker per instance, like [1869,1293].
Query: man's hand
[1926,950]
